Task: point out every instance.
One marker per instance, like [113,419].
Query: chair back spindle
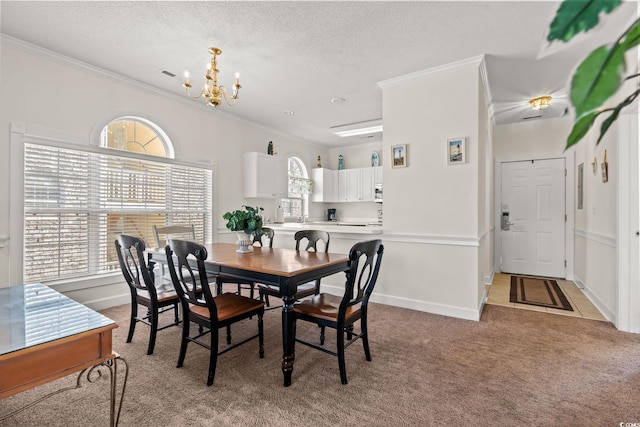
[162,235]
[130,251]
[365,259]
[312,237]
[193,289]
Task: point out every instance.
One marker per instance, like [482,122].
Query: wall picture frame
[399,156]
[581,186]
[456,151]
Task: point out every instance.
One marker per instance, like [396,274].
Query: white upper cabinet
[265,176]
[377,175]
[325,185]
[366,185]
[345,185]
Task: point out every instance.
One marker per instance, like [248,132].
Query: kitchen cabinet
[348,185]
[377,175]
[265,176]
[365,192]
[325,185]
[345,185]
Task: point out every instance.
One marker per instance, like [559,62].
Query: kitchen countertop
[330,226]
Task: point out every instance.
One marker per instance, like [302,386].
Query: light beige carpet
[512,368]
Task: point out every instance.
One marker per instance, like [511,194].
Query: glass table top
[36,314]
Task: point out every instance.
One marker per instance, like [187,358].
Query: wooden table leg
[288,338]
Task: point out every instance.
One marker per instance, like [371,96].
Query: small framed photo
[399,156]
[456,151]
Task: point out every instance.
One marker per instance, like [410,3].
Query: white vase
[244,242]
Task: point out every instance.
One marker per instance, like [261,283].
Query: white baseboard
[428,307]
[489,279]
[111,301]
[584,287]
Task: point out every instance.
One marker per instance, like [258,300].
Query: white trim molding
[475,61]
[586,290]
[595,237]
[412,304]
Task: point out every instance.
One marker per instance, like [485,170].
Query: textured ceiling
[297,56]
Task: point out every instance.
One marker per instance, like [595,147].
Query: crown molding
[442,69]
[59,58]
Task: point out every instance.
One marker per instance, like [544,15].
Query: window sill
[85,282]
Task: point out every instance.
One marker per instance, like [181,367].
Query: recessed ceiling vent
[168,73]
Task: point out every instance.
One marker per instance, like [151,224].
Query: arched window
[137,135]
[78,200]
[297,204]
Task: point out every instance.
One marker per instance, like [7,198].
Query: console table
[45,335]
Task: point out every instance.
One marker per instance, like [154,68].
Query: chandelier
[211,92]
[540,103]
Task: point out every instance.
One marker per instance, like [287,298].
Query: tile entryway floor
[498,294]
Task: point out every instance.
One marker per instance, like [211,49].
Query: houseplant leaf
[581,127]
[597,78]
[632,38]
[614,115]
[576,16]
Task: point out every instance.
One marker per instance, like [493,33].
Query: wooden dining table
[285,268]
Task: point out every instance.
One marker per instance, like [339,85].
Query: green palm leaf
[575,16]
[597,78]
[632,38]
[581,127]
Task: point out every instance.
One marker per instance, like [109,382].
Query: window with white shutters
[76,203]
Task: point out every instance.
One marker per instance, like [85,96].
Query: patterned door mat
[537,291]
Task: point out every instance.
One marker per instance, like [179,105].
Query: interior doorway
[532,217]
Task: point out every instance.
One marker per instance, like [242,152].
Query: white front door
[533,217]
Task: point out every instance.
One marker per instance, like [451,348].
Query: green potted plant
[247,222]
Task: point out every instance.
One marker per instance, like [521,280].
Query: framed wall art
[605,168]
[399,156]
[580,185]
[456,151]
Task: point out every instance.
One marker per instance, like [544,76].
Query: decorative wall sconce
[594,165]
[605,168]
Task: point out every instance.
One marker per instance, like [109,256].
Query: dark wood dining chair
[162,235]
[268,235]
[141,282]
[341,313]
[311,237]
[208,312]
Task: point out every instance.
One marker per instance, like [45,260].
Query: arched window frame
[297,203]
[157,130]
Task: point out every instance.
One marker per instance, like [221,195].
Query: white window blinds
[77,202]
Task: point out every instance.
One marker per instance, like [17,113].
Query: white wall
[531,140]
[431,208]
[78,97]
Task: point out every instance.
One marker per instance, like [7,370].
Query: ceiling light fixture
[360,131]
[211,92]
[540,103]
[359,128]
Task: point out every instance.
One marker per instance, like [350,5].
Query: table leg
[288,338]
[90,375]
